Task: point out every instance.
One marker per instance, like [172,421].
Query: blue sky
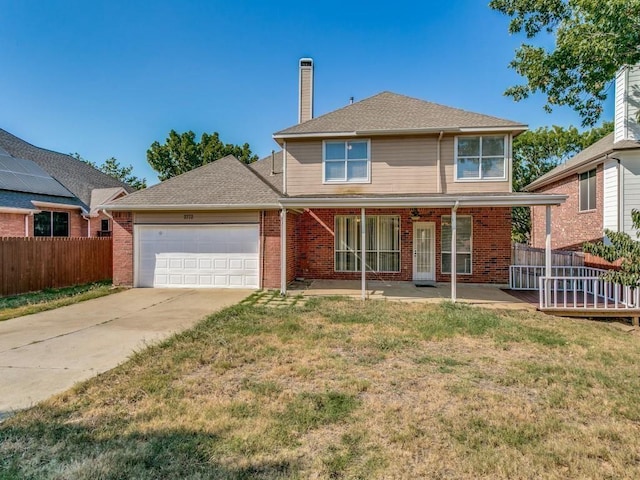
[107,78]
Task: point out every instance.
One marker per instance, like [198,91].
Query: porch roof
[443,200]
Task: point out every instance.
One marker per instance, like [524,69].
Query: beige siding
[398,165]
[195,217]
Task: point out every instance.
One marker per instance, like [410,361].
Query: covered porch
[428,249]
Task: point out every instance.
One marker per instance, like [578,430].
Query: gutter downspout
[438,174]
[26,224]
[284,168]
[620,219]
[454,250]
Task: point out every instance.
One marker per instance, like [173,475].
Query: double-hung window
[464,240]
[588,190]
[51,224]
[382,243]
[481,158]
[346,161]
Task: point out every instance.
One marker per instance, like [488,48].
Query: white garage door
[207,256]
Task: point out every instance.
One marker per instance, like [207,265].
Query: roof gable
[388,112]
[227,182]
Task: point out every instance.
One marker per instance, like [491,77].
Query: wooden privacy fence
[31,264]
[526,255]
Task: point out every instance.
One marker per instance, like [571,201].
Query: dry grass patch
[338,388]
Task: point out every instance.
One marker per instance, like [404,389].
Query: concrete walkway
[489,296]
[48,352]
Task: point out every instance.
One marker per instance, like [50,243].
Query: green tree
[538,151]
[181,153]
[111,166]
[593,39]
[620,245]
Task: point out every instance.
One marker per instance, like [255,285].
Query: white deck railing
[527,277]
[587,292]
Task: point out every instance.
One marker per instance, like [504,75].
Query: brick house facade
[570,227]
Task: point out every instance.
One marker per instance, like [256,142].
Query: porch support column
[547,251]
[363,253]
[454,252]
[283,252]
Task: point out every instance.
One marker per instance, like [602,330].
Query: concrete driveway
[48,352]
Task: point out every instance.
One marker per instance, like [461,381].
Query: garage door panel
[198,256]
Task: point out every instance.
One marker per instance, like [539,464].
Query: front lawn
[341,389]
[50,298]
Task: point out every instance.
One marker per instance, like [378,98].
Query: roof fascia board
[21,211]
[478,201]
[64,206]
[150,208]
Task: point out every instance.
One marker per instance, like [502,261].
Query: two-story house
[387,188]
[602,182]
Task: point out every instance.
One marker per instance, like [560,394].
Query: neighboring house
[49,194]
[424,188]
[602,182]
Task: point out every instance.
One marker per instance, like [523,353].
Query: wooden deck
[591,311]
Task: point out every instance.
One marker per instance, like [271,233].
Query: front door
[424,251]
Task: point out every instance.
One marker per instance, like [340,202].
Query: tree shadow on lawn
[31,448]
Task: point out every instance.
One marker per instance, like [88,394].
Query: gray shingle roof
[76,176]
[12,199]
[225,182]
[389,111]
[593,152]
[263,169]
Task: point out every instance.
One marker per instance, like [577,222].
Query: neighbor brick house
[602,183]
[50,194]
[424,188]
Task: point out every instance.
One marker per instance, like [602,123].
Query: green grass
[337,388]
[50,298]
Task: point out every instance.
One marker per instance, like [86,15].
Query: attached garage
[197,256]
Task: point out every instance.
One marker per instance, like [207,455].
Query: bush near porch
[344,389]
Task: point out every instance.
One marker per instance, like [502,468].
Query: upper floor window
[346,161]
[51,224]
[481,158]
[588,190]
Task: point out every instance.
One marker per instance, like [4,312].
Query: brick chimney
[305,94]
[627,101]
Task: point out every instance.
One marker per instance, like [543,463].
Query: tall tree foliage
[620,245]
[593,39]
[181,153]
[111,166]
[538,151]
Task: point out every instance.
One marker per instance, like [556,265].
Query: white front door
[424,251]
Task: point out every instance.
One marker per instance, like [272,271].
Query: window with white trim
[481,158]
[383,243]
[464,241]
[51,224]
[346,161]
[588,190]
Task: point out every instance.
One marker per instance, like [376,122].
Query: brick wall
[270,238]
[570,227]
[122,248]
[491,253]
[12,225]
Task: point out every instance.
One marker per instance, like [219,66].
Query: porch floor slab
[490,296]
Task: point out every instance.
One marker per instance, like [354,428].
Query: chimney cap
[306,62]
